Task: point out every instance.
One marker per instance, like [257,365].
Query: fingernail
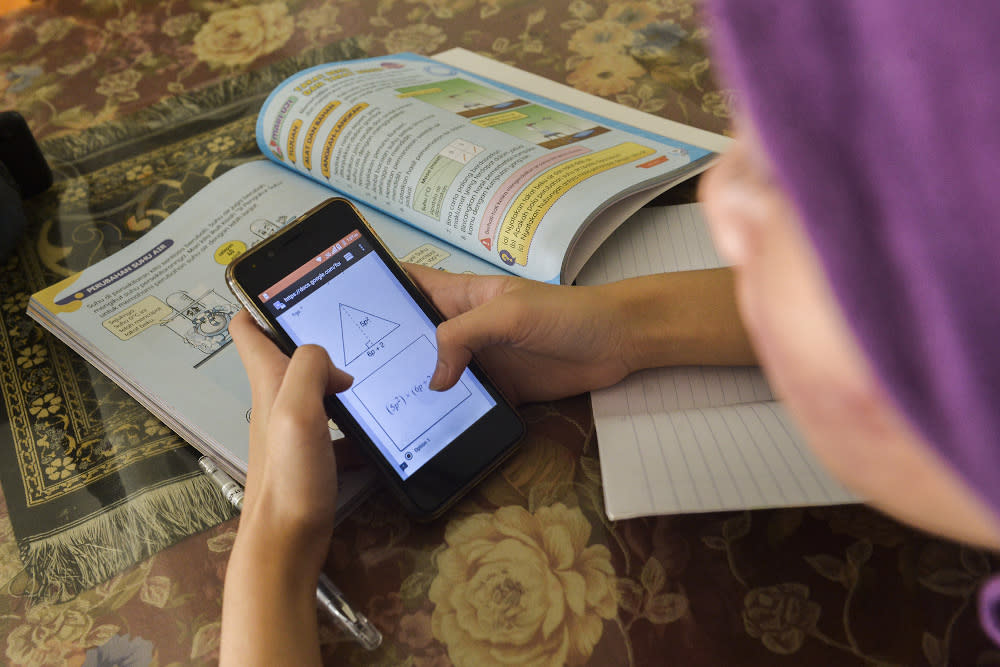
[437,380]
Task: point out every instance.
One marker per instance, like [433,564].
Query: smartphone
[327,279]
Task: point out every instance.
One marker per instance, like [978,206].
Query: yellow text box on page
[427,255]
[335,133]
[417,93]
[498,119]
[293,137]
[137,318]
[307,147]
[531,205]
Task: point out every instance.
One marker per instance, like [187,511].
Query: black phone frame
[453,471]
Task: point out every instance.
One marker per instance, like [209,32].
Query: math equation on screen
[399,402]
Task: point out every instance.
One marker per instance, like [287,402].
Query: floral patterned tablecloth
[527,570]
[73,64]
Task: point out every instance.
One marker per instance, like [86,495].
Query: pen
[328,596]
[230,488]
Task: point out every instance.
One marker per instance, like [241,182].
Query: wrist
[292,559]
[296,532]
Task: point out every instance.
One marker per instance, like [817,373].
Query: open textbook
[518,180]
[693,439]
[453,170]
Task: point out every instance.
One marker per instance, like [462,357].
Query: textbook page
[154,316]
[471,61]
[511,177]
[693,439]
[594,234]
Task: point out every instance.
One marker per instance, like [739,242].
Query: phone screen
[346,300]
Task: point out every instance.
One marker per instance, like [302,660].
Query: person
[860,213]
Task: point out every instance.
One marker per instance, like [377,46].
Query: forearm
[681,319]
[269,610]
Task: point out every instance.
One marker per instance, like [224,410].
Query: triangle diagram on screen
[361,330]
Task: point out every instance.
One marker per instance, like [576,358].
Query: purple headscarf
[882,123]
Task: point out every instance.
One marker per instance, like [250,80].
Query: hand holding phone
[327,279]
[295,466]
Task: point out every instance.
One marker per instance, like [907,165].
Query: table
[104,85]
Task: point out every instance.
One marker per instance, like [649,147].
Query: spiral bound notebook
[693,439]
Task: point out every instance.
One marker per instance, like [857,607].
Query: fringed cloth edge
[61,565]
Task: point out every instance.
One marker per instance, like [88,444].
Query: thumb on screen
[462,336]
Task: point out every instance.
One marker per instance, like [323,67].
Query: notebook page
[656,239]
[708,459]
[697,439]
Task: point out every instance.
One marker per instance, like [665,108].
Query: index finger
[456,293]
[304,385]
[265,364]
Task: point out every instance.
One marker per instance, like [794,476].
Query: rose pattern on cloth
[517,587]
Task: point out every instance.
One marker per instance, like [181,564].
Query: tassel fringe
[86,555]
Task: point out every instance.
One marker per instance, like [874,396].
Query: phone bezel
[439,482]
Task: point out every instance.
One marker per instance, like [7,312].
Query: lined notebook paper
[695,439]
